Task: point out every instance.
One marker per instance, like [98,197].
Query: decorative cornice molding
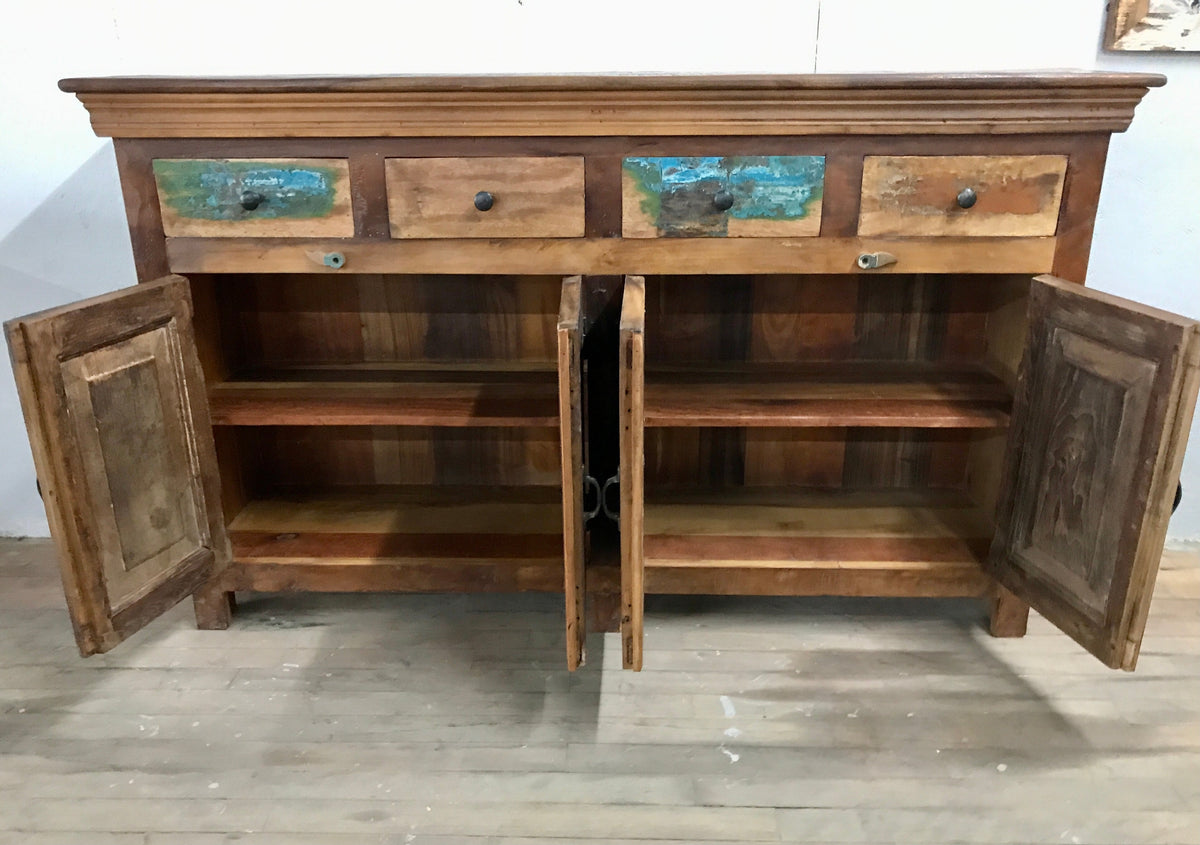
[615,105]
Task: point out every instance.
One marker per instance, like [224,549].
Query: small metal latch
[612,513]
[590,483]
[334,260]
[875,260]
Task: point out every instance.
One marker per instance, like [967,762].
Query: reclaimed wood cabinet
[813,335]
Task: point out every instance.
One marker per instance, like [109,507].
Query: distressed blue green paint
[676,192]
[206,189]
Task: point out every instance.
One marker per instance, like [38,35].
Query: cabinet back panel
[804,318]
[706,320]
[323,457]
[808,457]
[296,320]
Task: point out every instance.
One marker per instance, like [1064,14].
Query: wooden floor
[410,719]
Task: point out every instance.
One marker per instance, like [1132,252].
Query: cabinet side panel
[142,210]
[1077,215]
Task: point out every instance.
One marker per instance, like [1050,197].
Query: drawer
[524,197]
[254,198]
[722,196]
[1005,196]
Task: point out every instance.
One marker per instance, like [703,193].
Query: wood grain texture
[533,197]
[409,539]
[789,542]
[131,425]
[412,106]
[142,212]
[213,606]
[299,198]
[1100,418]
[379,351]
[843,190]
[1017,196]
[455,705]
[848,147]
[602,196]
[445,83]
[906,457]
[674,197]
[458,398]
[113,396]
[368,191]
[571,433]
[746,332]
[606,256]
[1081,198]
[433,323]
[824,394]
[315,457]
[1008,616]
[632,470]
[465,326]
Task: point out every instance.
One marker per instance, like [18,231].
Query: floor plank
[450,720]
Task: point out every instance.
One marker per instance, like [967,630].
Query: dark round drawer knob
[484,201]
[967,198]
[252,200]
[723,201]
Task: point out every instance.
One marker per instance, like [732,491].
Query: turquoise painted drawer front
[254,198]
[722,196]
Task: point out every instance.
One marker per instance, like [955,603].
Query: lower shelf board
[423,539]
[785,542]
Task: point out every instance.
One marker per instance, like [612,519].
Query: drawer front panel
[529,197]
[722,196]
[259,198]
[1014,196]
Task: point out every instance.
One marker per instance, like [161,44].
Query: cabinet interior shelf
[408,538]
[771,541]
[420,394]
[854,393]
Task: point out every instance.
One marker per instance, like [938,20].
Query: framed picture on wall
[1153,25]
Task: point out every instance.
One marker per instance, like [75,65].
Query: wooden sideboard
[812,335]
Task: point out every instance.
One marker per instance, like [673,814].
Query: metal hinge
[590,483]
[612,513]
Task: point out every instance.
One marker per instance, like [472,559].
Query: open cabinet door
[1100,420]
[570,432]
[113,397]
[632,468]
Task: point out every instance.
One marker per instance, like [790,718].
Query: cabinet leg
[604,612]
[214,608]
[1009,616]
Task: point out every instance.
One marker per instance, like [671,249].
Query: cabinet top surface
[599,82]
[614,105]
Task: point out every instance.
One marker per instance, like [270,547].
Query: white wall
[62,231]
